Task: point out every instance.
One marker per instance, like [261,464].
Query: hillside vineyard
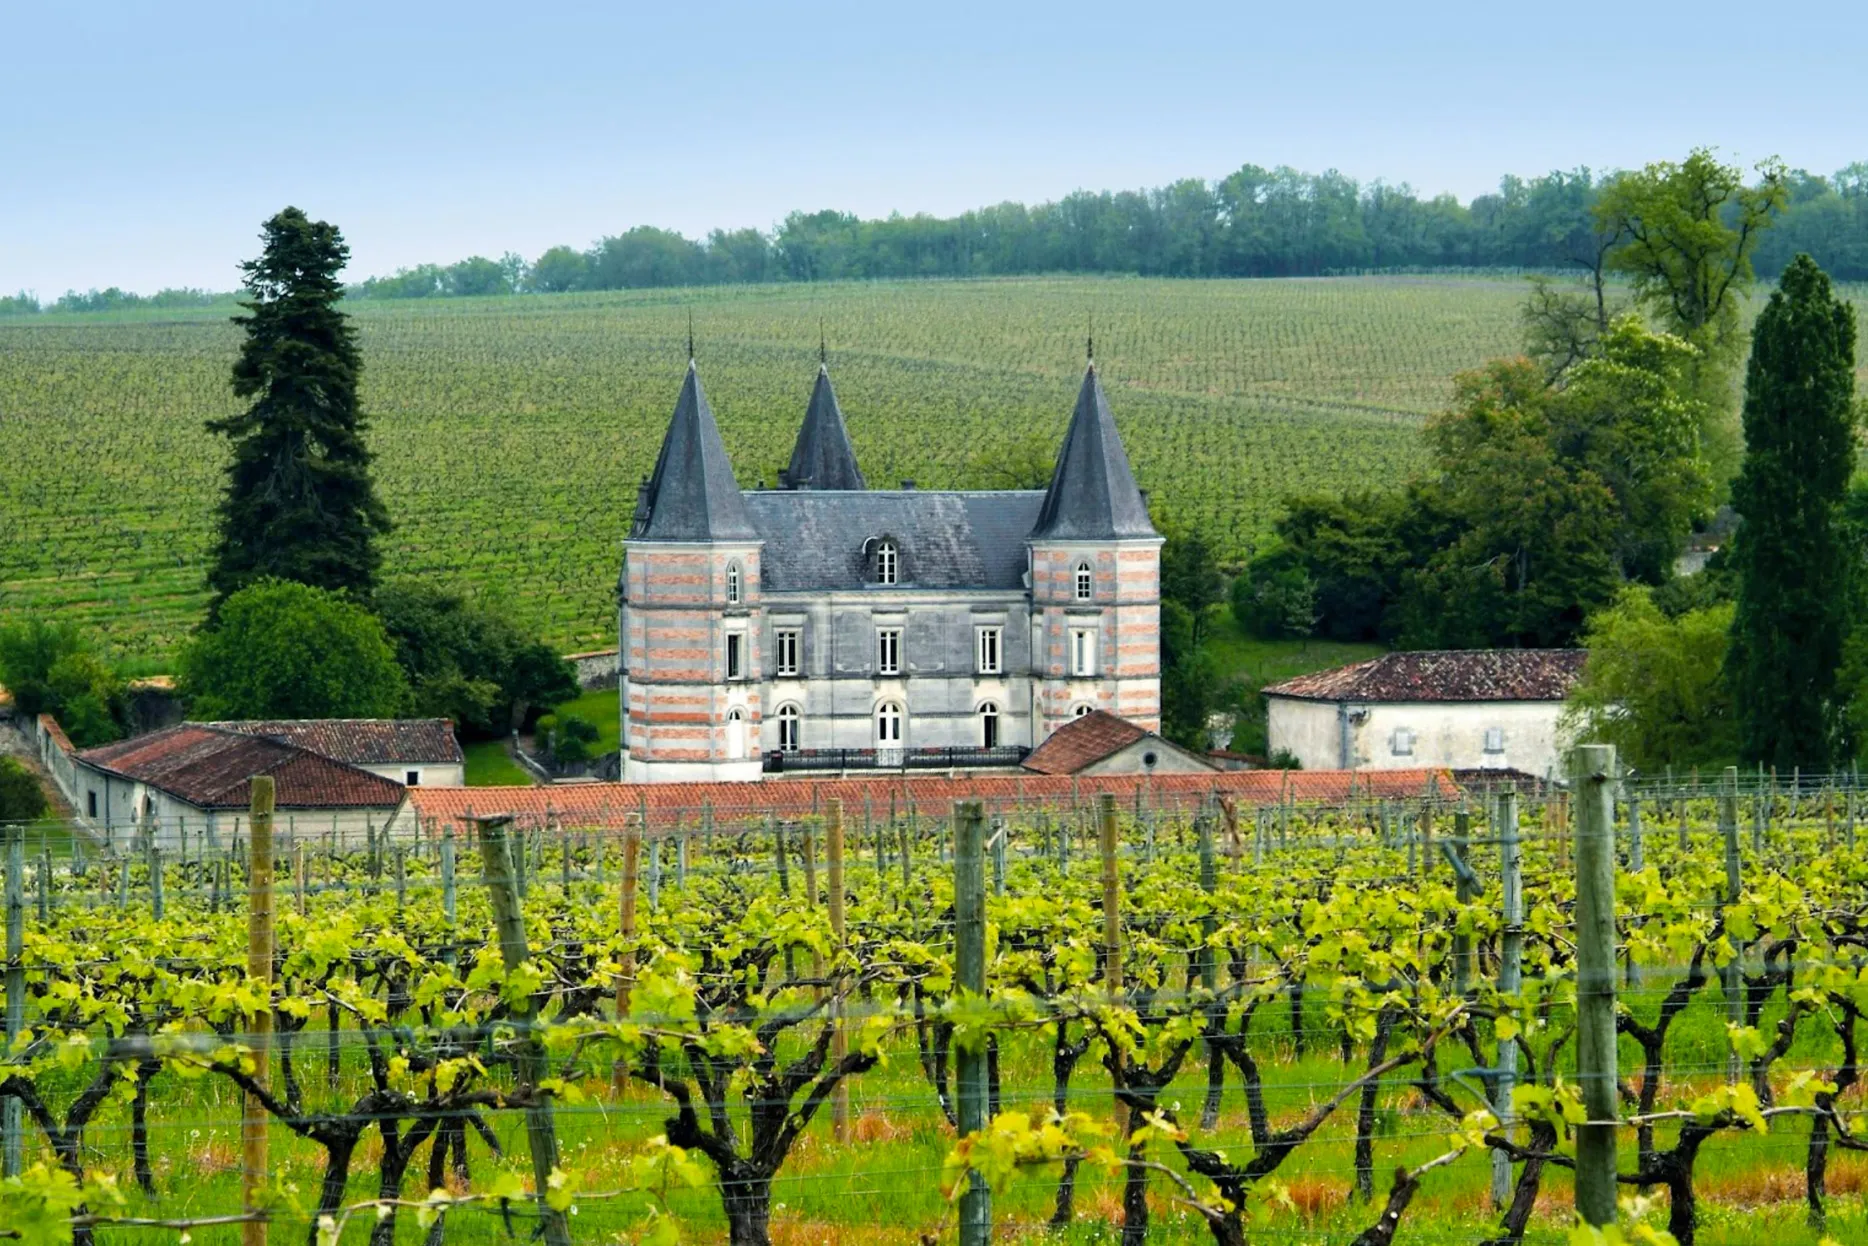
[510,434]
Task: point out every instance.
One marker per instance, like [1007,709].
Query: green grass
[601,710]
[490,765]
[1249,664]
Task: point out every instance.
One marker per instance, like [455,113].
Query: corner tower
[689,611]
[1095,580]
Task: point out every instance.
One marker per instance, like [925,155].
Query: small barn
[415,752]
[196,780]
[1101,743]
[1472,709]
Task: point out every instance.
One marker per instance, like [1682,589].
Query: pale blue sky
[142,144]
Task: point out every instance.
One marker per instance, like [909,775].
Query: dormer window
[1084,581]
[887,562]
[732,584]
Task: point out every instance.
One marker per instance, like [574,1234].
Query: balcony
[962,757]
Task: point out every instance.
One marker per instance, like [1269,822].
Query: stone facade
[888,623]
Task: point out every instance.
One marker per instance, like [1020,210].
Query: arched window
[1085,581]
[788,720]
[732,584]
[889,718]
[888,562]
[989,724]
[1081,710]
[735,734]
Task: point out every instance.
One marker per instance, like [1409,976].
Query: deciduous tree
[286,650]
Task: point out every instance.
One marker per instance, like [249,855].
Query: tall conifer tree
[1791,555]
[299,502]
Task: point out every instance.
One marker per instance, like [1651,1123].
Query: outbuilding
[1101,743]
[1472,709]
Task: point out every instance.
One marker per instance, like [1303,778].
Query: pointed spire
[1092,495]
[692,496]
[823,457]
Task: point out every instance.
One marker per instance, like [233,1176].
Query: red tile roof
[1445,675]
[1084,742]
[210,769]
[618,804]
[361,741]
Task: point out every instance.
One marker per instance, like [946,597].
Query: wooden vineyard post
[1467,890]
[1592,771]
[839,1037]
[1112,895]
[1000,830]
[254,1163]
[1635,862]
[11,1124]
[969,936]
[626,927]
[1732,975]
[1510,981]
[502,893]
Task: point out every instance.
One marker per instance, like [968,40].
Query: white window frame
[989,723]
[1082,652]
[989,650]
[735,725]
[1081,710]
[891,724]
[787,646]
[1401,742]
[888,651]
[888,562]
[1086,581]
[1494,741]
[735,656]
[732,584]
[790,728]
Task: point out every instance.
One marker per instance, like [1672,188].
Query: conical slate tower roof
[692,496]
[823,458]
[1092,495]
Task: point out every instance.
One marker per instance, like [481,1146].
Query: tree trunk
[1365,1108]
[1135,1192]
[1816,1172]
[1382,1232]
[337,1153]
[746,1194]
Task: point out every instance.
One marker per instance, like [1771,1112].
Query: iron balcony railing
[962,757]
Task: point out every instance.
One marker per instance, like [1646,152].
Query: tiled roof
[1083,742]
[692,496]
[210,768]
[362,741]
[823,457]
[1445,675]
[618,804]
[1092,495]
[948,539]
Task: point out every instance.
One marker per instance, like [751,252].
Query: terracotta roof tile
[618,804]
[361,741]
[1083,742]
[1445,675]
[211,769]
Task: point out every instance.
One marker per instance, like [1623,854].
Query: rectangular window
[785,640]
[888,651]
[1083,651]
[1402,743]
[90,804]
[735,656]
[988,660]
[1494,739]
[412,778]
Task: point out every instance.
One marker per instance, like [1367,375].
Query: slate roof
[823,457]
[1084,742]
[1093,495]
[211,768]
[692,495]
[948,539]
[362,741]
[1445,675]
[672,804]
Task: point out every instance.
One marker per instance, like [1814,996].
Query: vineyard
[1172,1022]
[511,433]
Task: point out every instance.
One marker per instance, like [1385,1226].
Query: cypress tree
[299,502]
[1791,554]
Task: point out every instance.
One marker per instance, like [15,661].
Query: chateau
[825,625]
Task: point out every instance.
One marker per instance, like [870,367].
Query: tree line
[1255,222]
